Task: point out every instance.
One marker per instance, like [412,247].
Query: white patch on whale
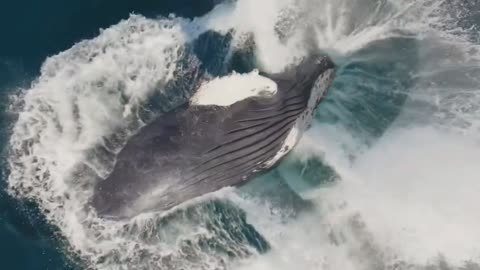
[225,91]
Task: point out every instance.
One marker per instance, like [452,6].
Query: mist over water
[386,178]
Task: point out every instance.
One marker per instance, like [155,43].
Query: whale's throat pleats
[199,149]
[220,138]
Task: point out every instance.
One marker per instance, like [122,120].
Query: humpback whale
[210,143]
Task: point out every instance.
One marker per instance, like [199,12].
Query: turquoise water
[369,186]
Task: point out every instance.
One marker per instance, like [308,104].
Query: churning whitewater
[386,177]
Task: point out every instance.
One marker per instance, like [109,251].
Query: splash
[401,154]
[392,185]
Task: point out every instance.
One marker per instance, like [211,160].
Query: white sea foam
[407,201]
[407,197]
[82,95]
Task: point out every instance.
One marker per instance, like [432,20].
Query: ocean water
[386,177]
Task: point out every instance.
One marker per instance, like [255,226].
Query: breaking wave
[385,179]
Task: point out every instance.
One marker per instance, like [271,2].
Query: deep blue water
[31,31]
[35,31]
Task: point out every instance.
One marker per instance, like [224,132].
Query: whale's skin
[198,149]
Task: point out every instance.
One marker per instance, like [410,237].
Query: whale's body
[199,148]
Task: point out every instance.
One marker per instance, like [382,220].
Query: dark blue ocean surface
[31,31]
[35,31]
[369,93]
